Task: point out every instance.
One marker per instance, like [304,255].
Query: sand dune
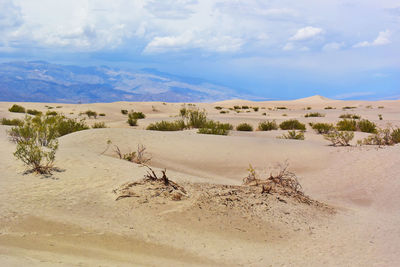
[72,218]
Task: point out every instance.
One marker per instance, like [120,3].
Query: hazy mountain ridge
[39,81]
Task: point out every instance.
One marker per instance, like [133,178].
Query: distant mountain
[39,81]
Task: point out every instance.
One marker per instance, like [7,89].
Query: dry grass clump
[295,135]
[314,114]
[152,186]
[140,156]
[99,125]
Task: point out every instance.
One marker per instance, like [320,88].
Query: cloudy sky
[348,49]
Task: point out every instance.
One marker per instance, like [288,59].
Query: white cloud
[333,46]
[382,39]
[306,33]
[288,47]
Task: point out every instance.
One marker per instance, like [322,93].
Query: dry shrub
[152,186]
[339,138]
[383,137]
[284,183]
[140,156]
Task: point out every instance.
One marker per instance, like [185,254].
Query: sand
[73,219]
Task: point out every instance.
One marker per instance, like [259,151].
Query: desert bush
[380,117]
[33,112]
[281,107]
[314,114]
[267,126]
[381,107]
[99,125]
[124,111]
[244,127]
[193,118]
[59,107]
[350,116]
[329,107]
[347,107]
[37,142]
[322,128]
[218,108]
[395,135]
[13,122]
[245,107]
[236,107]
[178,125]
[136,115]
[215,127]
[140,156]
[91,113]
[102,114]
[66,125]
[255,109]
[292,125]
[264,114]
[132,122]
[366,126]
[346,125]
[17,109]
[338,138]
[296,135]
[224,111]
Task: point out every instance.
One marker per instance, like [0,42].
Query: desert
[97,209]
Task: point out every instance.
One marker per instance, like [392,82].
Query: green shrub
[217,128]
[17,109]
[37,142]
[382,137]
[218,107]
[136,115]
[99,125]
[236,107]
[366,126]
[245,107]
[13,122]
[193,118]
[124,111]
[51,113]
[339,138]
[66,125]
[132,122]
[33,112]
[224,111]
[322,128]
[91,113]
[314,114]
[178,125]
[350,116]
[292,125]
[293,135]
[347,125]
[267,126]
[244,127]
[395,136]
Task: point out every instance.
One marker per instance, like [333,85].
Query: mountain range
[40,81]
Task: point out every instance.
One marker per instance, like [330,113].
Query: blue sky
[276,49]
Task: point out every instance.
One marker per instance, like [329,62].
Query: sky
[344,49]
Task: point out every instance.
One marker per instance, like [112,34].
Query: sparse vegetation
[245,107]
[216,128]
[292,125]
[12,122]
[255,109]
[178,125]
[382,137]
[380,117]
[218,108]
[350,116]
[244,127]
[224,111]
[136,115]
[102,114]
[296,135]
[17,109]
[314,114]
[347,107]
[140,156]
[267,126]
[124,111]
[281,108]
[339,138]
[329,107]
[193,118]
[51,113]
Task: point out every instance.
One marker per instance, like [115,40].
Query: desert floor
[72,218]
